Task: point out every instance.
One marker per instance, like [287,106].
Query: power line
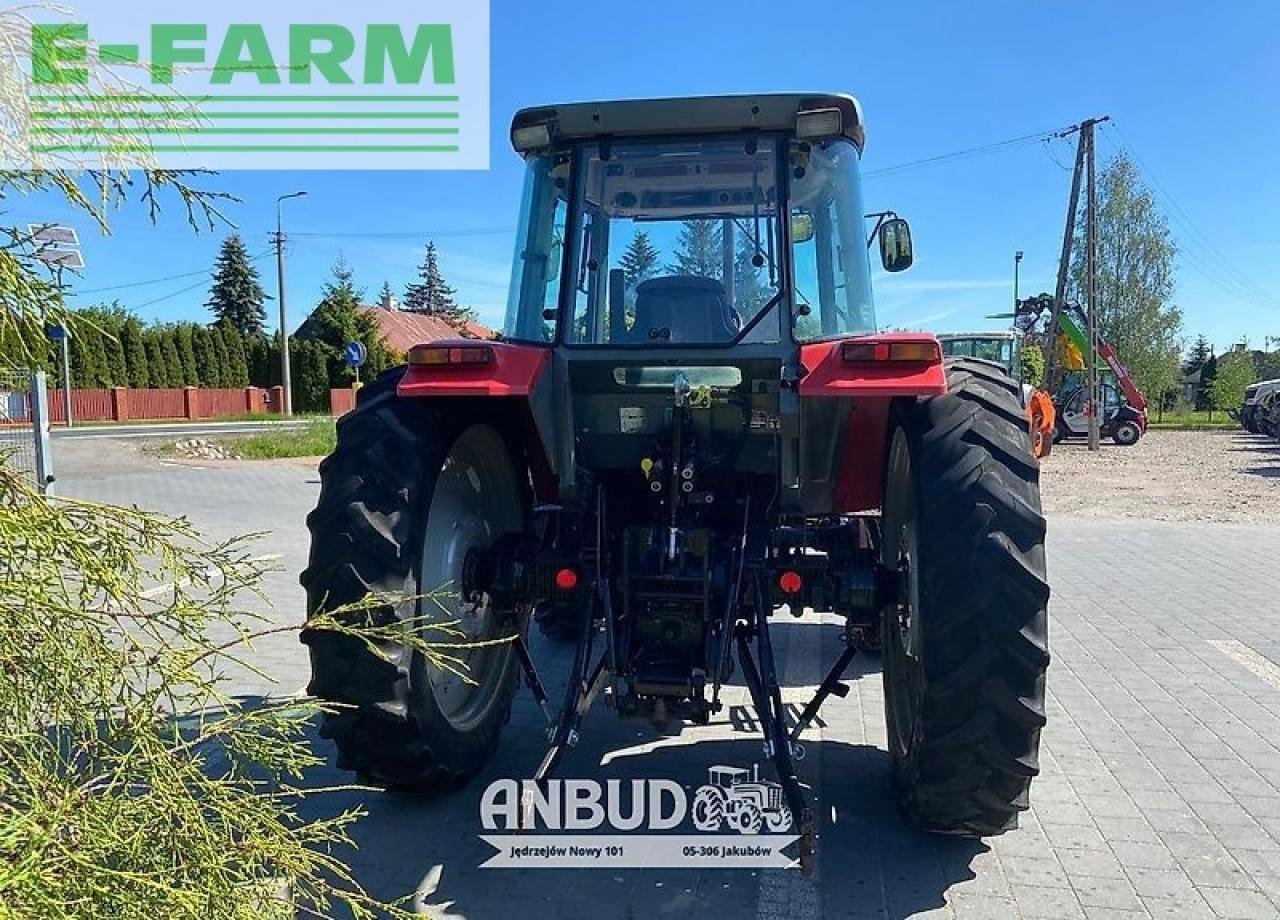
[967,153]
[184,290]
[204,272]
[406,234]
[1225,273]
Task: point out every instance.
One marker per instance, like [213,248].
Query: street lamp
[1017,260]
[286,382]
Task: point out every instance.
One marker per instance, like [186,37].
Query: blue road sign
[57,333]
[355,353]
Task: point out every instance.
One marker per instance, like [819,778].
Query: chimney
[389,302]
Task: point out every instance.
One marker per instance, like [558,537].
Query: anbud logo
[577,823]
[583,805]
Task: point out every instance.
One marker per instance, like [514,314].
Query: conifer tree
[236,296]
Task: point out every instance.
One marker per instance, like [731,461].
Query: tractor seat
[682,308]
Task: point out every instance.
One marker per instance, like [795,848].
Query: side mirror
[895,245]
[801,227]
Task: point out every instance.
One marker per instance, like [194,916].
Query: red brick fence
[121,404]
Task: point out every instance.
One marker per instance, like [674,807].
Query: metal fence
[24,425]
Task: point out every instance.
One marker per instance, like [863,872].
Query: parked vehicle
[1251,414]
[677,454]
[1004,347]
[1120,420]
[1269,413]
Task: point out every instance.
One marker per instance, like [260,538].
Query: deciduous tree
[1235,372]
[1135,277]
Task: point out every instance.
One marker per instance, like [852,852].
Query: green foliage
[1199,352]
[157,367]
[133,785]
[699,250]
[222,360]
[639,260]
[1187,419]
[88,357]
[1235,372]
[431,294]
[236,370]
[236,296]
[208,371]
[1135,277]
[1033,364]
[137,368]
[337,320]
[1208,373]
[167,341]
[184,340]
[1268,364]
[750,289]
[260,357]
[310,360]
[318,439]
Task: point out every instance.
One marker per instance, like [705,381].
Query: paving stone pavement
[1160,790]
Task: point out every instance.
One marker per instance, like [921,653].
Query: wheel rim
[903,642]
[476,500]
[1127,434]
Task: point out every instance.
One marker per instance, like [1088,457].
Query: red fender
[873,385]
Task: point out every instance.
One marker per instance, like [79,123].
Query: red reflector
[878,352]
[566,579]
[443,355]
[790,582]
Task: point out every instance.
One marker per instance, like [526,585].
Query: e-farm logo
[248,93]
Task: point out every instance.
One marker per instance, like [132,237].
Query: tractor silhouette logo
[740,800]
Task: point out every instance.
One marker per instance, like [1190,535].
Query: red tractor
[689,425]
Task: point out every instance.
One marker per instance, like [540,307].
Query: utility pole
[1091,288]
[286,381]
[1084,151]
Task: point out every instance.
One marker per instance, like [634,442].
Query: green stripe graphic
[143,131]
[243,148]
[88,115]
[143,97]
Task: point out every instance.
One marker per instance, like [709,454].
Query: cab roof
[689,115]
[992,334]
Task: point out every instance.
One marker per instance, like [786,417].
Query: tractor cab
[1001,347]
[694,223]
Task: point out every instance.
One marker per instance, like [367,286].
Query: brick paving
[1160,791]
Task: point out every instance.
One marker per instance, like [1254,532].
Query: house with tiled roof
[401,329]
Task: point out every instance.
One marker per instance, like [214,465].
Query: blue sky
[1192,89]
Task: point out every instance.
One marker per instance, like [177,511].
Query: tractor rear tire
[412,486]
[965,657]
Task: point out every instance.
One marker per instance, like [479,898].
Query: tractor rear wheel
[965,653]
[409,496]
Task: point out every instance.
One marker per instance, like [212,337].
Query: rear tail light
[566,579]
[884,352]
[446,355]
[790,582]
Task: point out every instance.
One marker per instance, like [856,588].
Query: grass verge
[1194,421]
[317,439]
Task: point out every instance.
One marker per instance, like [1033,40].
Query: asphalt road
[1160,791]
